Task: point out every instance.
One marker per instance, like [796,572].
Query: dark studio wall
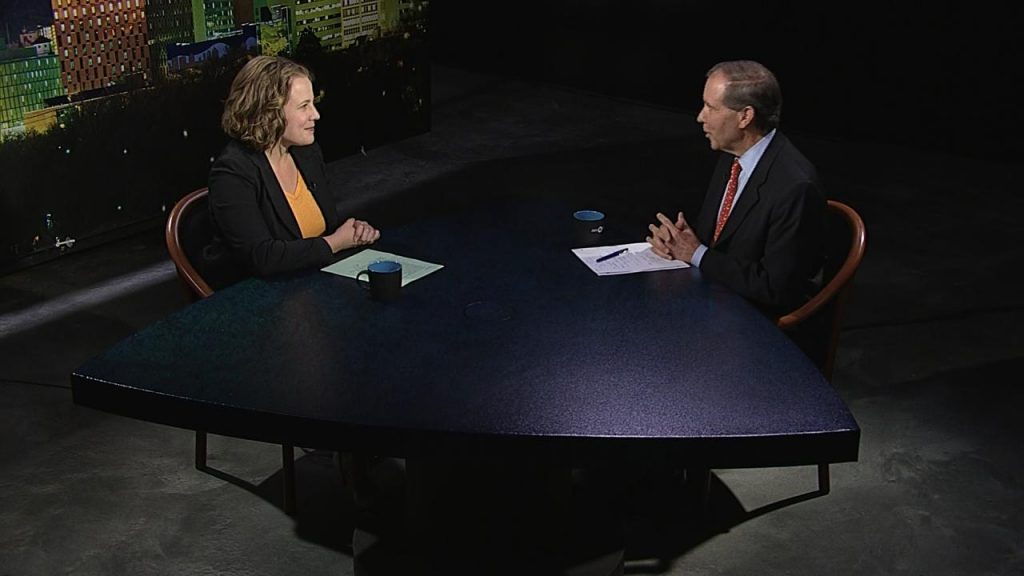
[933,76]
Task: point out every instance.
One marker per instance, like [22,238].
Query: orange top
[306,211]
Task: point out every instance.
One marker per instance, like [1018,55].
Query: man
[760,229]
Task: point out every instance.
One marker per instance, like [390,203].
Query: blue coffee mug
[384,280]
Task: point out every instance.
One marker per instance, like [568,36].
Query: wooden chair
[189,228]
[815,325]
[845,242]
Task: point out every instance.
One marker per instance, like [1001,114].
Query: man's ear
[746,116]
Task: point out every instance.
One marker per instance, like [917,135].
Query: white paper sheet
[412,269]
[637,258]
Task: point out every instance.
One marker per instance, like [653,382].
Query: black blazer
[257,234]
[770,250]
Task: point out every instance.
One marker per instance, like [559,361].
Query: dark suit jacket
[770,250]
[257,234]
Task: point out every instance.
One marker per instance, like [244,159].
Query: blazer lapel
[284,212]
[308,165]
[752,191]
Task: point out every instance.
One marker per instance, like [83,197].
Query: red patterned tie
[730,194]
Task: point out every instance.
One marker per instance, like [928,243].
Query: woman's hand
[350,234]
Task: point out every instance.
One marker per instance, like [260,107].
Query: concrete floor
[929,364]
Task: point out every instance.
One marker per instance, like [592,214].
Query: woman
[269,196]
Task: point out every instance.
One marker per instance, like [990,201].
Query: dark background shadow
[932,77]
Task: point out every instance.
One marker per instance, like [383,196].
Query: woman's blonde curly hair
[254,109]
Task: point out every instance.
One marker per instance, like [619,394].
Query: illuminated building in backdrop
[100,43]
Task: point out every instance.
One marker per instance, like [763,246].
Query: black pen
[612,255]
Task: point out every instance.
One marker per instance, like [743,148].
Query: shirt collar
[750,158]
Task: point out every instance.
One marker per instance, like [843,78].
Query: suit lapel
[281,208]
[752,190]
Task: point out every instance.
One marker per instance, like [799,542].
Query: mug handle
[363,284]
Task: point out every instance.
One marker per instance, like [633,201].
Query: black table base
[491,514]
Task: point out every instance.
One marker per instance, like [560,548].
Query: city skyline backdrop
[110,112]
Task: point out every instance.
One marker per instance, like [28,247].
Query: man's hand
[673,240]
